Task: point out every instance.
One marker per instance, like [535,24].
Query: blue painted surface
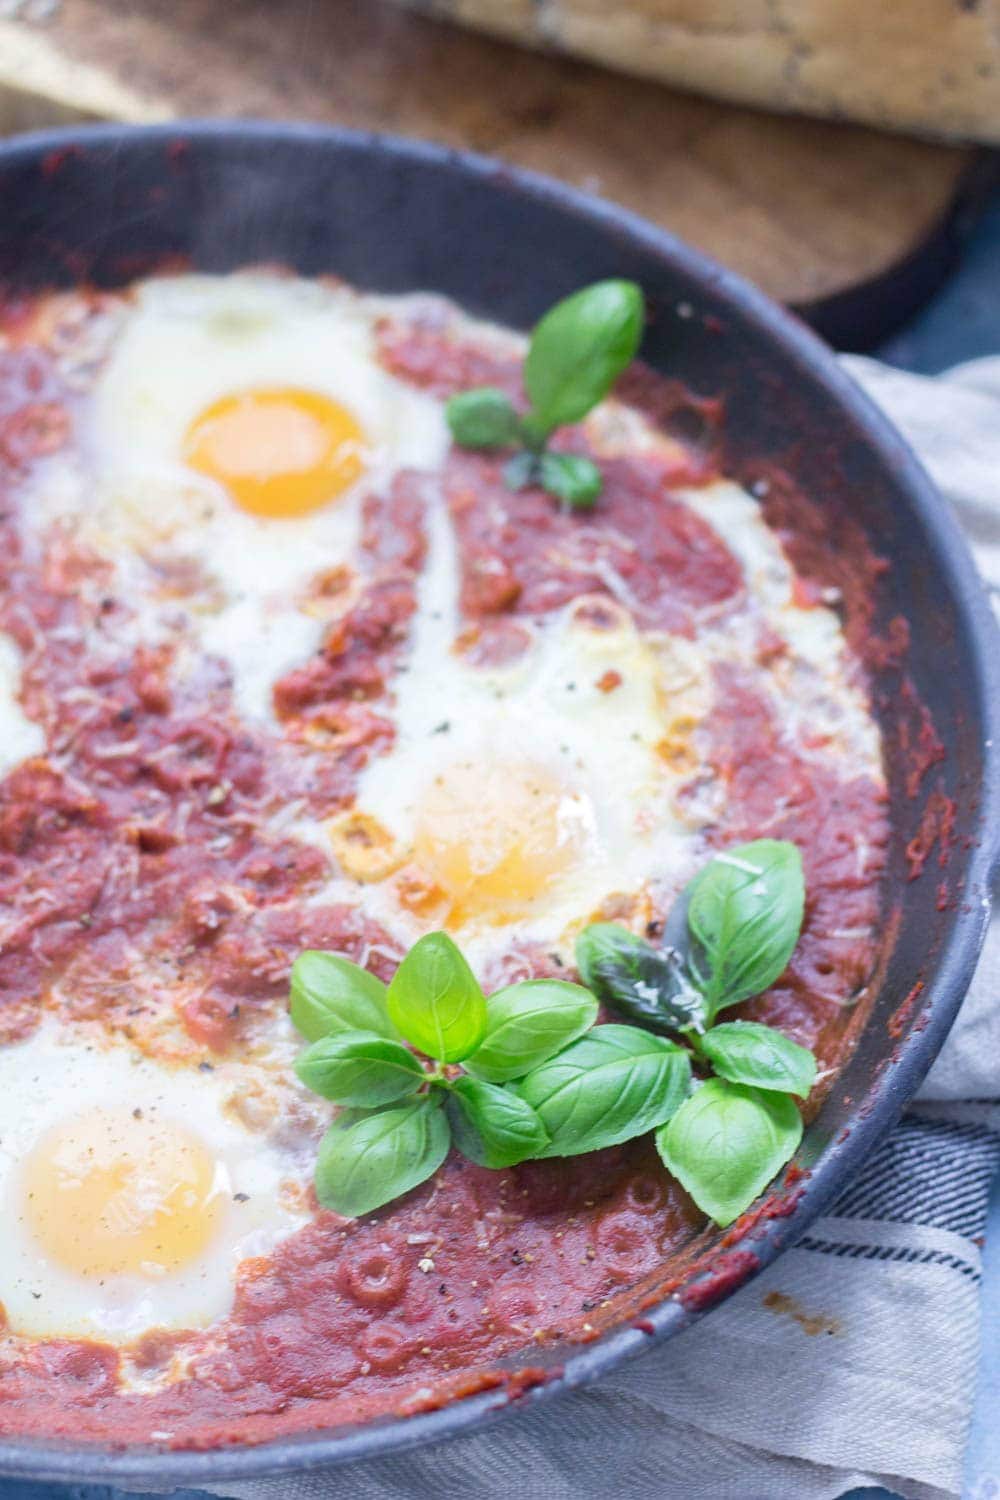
[963,322]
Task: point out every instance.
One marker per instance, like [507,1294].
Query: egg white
[817,687]
[20,737]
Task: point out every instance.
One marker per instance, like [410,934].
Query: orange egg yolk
[278,451]
[111,1194]
[495,839]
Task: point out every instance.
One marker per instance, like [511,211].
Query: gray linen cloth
[874,1384]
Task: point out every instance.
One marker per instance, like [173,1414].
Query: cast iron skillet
[108,203]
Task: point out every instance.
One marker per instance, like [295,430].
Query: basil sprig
[525,1073]
[539,1079]
[735,927]
[576,353]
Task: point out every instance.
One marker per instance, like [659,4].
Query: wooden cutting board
[842,221]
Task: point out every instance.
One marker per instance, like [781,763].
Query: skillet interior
[109,204]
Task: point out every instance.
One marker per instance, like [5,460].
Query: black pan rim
[157,1469]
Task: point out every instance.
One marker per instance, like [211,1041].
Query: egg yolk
[278,451]
[111,1194]
[495,838]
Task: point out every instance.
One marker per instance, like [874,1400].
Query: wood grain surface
[806,208]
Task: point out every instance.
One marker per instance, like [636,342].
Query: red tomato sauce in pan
[142,837]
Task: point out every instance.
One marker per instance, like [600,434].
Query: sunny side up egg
[131,1191]
[513,790]
[230,436]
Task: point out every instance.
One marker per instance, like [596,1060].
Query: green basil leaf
[482,418]
[520,471]
[578,350]
[745,913]
[331,994]
[435,1000]
[644,983]
[380,1156]
[571,478]
[726,1143]
[493,1126]
[528,1023]
[747,1052]
[359,1068]
[614,1083]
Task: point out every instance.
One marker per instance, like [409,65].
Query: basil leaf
[570,477]
[435,1000]
[331,994]
[482,418]
[644,983]
[376,1158]
[726,1143]
[614,1083]
[359,1068]
[577,351]
[747,1052]
[520,471]
[745,912]
[528,1023]
[492,1126]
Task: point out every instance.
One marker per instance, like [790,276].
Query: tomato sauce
[139,871]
